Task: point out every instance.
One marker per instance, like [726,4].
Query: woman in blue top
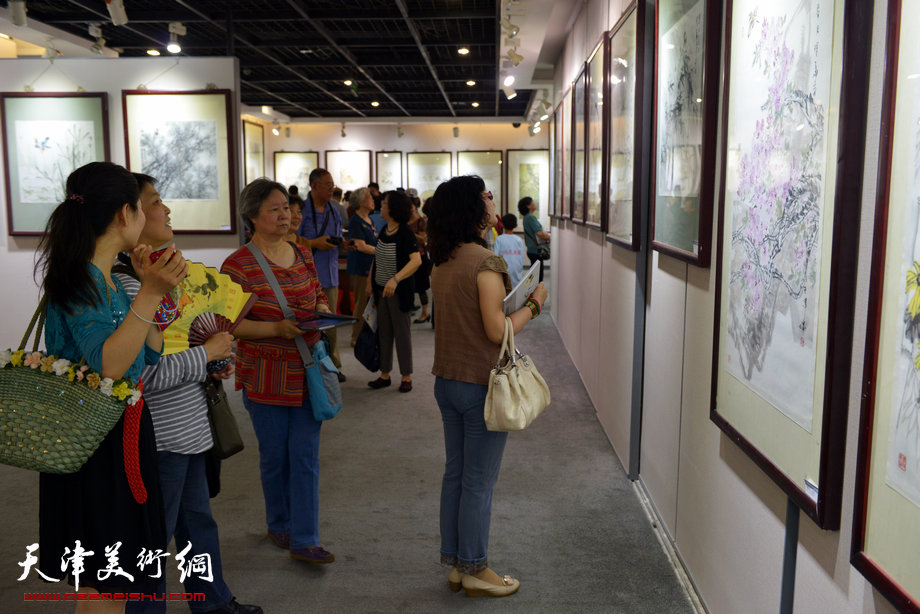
[110,502]
[362,236]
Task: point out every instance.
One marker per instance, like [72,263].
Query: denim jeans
[188,517]
[473,459]
[289,464]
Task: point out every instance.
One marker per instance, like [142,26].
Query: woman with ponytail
[114,500]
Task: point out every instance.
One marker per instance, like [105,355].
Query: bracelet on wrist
[537,301]
[139,316]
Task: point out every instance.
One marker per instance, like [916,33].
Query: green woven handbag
[54,414]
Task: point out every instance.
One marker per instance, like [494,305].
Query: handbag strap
[305,355]
[38,316]
[507,342]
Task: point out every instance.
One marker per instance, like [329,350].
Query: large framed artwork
[528,175]
[253,150]
[886,520]
[624,142]
[488,165]
[558,205]
[687,66]
[185,141]
[577,185]
[45,137]
[595,92]
[565,108]
[792,156]
[294,168]
[427,170]
[349,169]
[389,170]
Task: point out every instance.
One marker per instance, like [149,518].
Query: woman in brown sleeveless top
[469,283]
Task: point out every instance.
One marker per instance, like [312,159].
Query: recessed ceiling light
[471,83]
[375,104]
[475,104]
[153,52]
[347,82]
[463,50]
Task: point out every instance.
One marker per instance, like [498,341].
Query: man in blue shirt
[321,224]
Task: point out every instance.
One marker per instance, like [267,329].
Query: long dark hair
[399,205]
[456,214]
[95,193]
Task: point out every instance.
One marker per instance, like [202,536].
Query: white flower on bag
[105,386]
[5,358]
[60,366]
[135,397]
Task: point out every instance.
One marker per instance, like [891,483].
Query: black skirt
[96,507]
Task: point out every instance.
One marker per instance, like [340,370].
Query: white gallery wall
[725,516]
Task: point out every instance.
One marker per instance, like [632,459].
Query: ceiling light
[536,129]
[471,83]
[276,129]
[514,56]
[456,131]
[509,91]
[9,38]
[176,29]
[509,81]
[347,82]
[153,52]
[173,46]
[267,110]
[536,124]
[463,50]
[510,29]
[117,12]
[98,46]
[399,131]
[94,30]
[18,12]
[544,117]
[475,104]
[375,104]
[343,130]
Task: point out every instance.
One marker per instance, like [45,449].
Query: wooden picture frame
[577,183]
[557,164]
[253,151]
[488,165]
[886,518]
[294,168]
[46,136]
[389,175]
[185,140]
[349,169]
[686,113]
[785,272]
[426,170]
[527,173]
[595,188]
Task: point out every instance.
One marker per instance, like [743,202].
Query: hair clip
[76,197]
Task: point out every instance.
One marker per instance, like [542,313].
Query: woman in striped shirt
[270,371]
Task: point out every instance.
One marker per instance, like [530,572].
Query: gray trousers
[393,325]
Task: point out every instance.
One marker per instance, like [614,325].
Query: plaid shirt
[271,369]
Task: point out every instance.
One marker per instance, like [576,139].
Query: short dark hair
[524,205]
[316,173]
[399,205]
[509,221]
[144,180]
[374,184]
[254,194]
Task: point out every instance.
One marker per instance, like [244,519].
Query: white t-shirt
[511,248]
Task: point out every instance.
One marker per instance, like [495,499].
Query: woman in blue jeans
[469,283]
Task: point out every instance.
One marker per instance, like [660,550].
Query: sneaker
[282,540]
[317,555]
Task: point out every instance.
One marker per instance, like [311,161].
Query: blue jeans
[188,517]
[289,464]
[473,459]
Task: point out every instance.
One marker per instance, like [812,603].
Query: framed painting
[624,141]
[595,197]
[427,170]
[488,165]
[349,169]
[528,175]
[185,141]
[45,137]
[253,150]
[565,203]
[792,166]
[686,108]
[294,168]
[577,185]
[556,164]
[886,520]
[389,170]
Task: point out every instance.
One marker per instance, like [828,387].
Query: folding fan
[209,302]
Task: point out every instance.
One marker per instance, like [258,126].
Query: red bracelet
[537,301]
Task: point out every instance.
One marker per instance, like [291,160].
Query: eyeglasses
[488,195]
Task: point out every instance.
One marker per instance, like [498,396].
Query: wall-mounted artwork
[529,175]
[488,165]
[389,170]
[349,169]
[253,150]
[565,107]
[687,89]
[886,524]
[45,137]
[427,170]
[787,230]
[558,166]
[294,168]
[577,188]
[623,146]
[595,91]
[185,141]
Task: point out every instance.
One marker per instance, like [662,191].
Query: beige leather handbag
[517,391]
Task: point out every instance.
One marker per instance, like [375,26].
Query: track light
[343,130]
[514,56]
[173,46]
[276,129]
[18,12]
[399,131]
[117,12]
[98,46]
[456,131]
[510,29]
[509,80]
[509,91]
[176,29]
